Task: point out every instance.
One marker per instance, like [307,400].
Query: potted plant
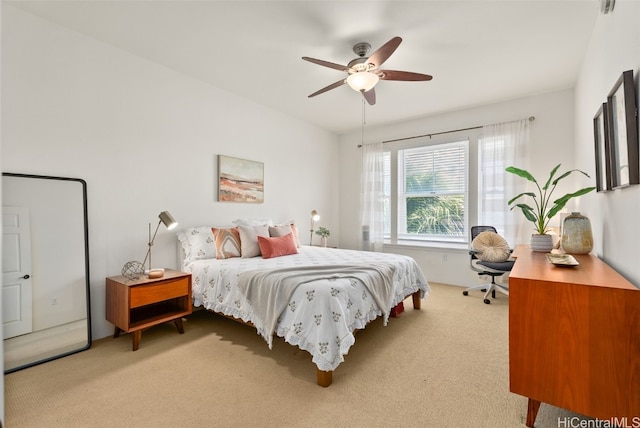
[544,209]
[324,233]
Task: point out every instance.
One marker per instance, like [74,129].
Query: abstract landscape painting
[241,180]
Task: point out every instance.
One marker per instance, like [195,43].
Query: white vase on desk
[542,243]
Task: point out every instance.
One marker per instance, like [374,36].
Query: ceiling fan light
[362,81]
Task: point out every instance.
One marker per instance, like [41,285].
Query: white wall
[551,141]
[614,48]
[145,139]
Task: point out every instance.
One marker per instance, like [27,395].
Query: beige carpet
[443,366]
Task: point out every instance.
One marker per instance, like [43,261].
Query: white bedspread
[321,315]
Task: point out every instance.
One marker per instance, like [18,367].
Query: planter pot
[576,234]
[323,241]
[542,243]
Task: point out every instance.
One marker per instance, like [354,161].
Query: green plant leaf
[323,232]
[564,199]
[527,211]
[553,172]
[567,173]
[556,208]
[520,195]
[521,173]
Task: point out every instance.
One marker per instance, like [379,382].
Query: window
[436,185]
[431,196]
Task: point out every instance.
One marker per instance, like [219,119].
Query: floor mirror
[46,310]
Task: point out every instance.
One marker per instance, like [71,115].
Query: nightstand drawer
[158,292]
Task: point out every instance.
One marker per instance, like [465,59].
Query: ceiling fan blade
[402,75]
[330,87]
[370,96]
[326,63]
[384,52]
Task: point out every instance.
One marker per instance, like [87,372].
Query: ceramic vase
[577,237]
[542,243]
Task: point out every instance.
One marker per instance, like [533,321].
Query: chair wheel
[483,289]
[465,293]
[487,301]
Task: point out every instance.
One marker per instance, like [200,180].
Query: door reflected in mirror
[45,269]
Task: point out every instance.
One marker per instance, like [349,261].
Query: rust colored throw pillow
[277,246]
[296,235]
[227,242]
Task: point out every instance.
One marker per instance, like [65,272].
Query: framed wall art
[240,180]
[602,150]
[623,132]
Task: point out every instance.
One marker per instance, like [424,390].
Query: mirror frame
[86,265]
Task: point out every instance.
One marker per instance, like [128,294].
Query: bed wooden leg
[416,300]
[324,378]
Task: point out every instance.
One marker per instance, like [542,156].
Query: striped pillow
[227,242]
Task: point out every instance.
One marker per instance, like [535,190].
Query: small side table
[133,305]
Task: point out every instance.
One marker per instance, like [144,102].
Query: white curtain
[372,198]
[503,145]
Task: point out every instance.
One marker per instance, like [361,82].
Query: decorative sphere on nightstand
[132,270]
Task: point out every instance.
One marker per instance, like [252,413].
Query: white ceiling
[478,51]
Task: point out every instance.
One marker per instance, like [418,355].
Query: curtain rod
[531,119]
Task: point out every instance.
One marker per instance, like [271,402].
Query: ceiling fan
[364,72]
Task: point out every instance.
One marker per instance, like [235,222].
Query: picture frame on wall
[602,150]
[240,180]
[623,132]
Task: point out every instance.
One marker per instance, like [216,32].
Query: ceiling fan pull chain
[363,120]
[364,117]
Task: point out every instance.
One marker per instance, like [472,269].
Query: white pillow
[249,239]
[491,247]
[253,222]
[197,243]
[284,229]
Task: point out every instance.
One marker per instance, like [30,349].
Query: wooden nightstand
[133,305]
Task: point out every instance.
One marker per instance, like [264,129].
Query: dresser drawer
[158,292]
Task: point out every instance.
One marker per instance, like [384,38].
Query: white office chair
[492,269]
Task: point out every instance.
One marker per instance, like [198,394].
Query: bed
[314,298]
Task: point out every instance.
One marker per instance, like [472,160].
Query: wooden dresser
[574,337]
